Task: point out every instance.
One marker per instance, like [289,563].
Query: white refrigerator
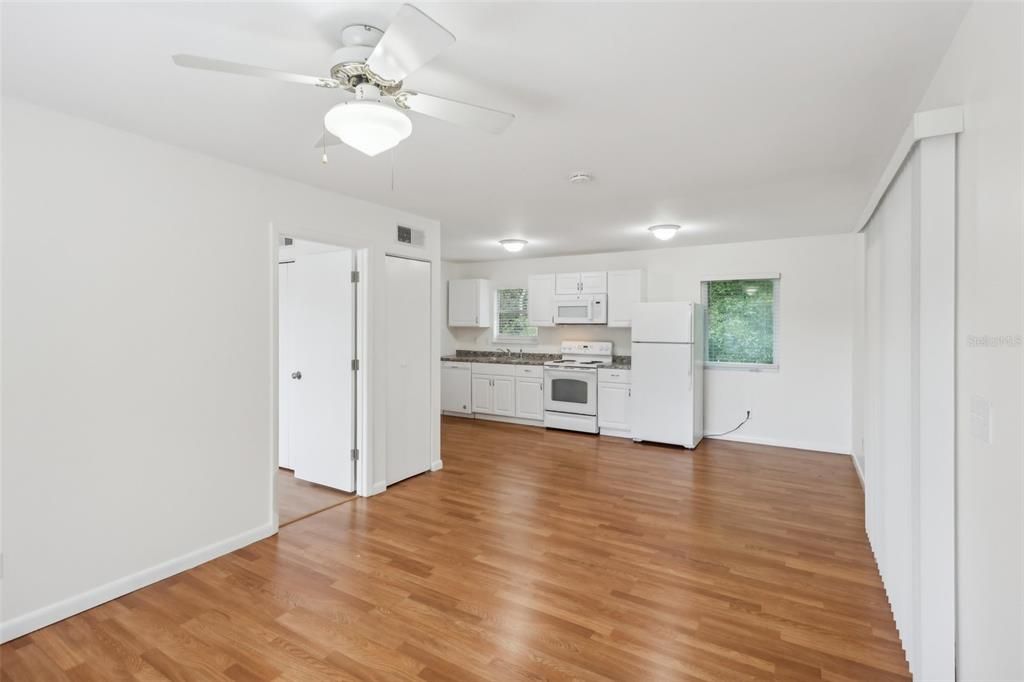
[667,404]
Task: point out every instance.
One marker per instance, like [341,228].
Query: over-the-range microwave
[581,309]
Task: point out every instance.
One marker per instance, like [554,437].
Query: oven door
[570,390]
[574,309]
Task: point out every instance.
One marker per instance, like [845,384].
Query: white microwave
[581,309]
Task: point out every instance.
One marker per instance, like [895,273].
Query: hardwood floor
[297,499]
[532,555]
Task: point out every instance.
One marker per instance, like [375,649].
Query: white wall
[139,354]
[984,71]
[807,402]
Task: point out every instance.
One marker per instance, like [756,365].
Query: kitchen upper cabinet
[567,283]
[540,300]
[456,387]
[581,283]
[469,303]
[529,398]
[504,389]
[483,394]
[625,287]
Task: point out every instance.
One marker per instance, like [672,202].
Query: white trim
[507,420]
[436,465]
[377,488]
[925,124]
[860,473]
[748,275]
[29,622]
[793,445]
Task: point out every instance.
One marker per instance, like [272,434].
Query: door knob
[296,375]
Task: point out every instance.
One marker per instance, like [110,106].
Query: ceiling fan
[372,65]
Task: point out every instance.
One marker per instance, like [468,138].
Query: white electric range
[570,385]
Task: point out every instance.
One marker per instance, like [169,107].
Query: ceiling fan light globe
[664,232]
[370,127]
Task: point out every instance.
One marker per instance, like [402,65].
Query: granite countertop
[618,361]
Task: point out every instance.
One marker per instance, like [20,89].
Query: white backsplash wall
[806,403]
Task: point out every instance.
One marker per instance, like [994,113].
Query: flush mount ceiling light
[513,245]
[580,178]
[366,124]
[664,232]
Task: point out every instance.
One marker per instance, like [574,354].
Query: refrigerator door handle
[689,372]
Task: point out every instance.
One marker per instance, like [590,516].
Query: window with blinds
[512,322]
[741,324]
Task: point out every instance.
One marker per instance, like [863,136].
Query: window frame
[773,366]
[497,336]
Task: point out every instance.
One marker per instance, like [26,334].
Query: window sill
[741,367]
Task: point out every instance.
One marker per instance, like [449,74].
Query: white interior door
[285,364]
[320,287]
[408,360]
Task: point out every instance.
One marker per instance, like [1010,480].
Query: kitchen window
[512,324]
[742,323]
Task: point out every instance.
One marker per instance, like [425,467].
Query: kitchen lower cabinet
[614,392]
[504,389]
[456,387]
[483,395]
[529,398]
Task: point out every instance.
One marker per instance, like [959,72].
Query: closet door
[408,360]
[321,433]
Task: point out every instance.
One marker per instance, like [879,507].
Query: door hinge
[355,276]
[355,454]
[355,364]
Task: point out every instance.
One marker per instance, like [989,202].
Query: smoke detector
[580,178]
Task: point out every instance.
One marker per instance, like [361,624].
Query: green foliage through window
[513,319]
[741,321]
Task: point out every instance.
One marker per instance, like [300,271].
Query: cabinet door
[456,390]
[529,399]
[593,282]
[625,288]
[483,394]
[613,406]
[540,300]
[567,283]
[463,303]
[504,396]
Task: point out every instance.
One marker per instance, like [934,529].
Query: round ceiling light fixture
[513,245]
[664,232]
[580,178]
[366,124]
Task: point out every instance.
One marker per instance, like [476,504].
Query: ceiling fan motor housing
[350,68]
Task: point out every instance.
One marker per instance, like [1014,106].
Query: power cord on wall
[726,433]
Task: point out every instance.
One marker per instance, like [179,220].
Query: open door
[320,290]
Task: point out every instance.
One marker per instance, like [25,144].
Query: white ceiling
[738,120]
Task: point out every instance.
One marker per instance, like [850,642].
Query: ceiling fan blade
[469,115]
[192,61]
[330,141]
[412,40]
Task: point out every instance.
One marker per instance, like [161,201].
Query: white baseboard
[22,625]
[856,466]
[508,420]
[436,465]
[779,443]
[377,488]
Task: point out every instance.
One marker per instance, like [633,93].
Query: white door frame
[361,405]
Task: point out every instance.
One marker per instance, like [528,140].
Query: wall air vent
[410,236]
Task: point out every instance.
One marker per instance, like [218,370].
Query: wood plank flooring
[297,499]
[533,555]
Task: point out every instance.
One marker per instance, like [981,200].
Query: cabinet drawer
[494,369]
[532,371]
[455,365]
[613,376]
